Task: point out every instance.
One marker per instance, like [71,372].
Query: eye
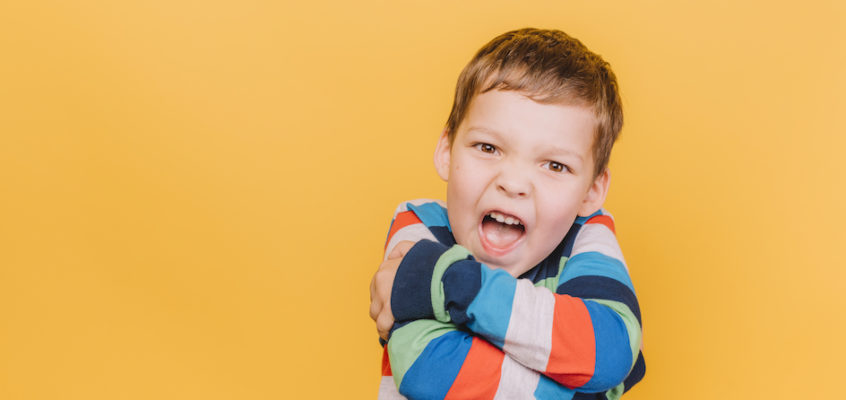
[485,148]
[556,166]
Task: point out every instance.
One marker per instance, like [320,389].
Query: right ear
[442,154]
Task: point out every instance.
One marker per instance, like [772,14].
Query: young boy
[517,287]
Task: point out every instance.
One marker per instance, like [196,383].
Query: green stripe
[548,283]
[454,254]
[551,283]
[616,392]
[409,341]
[632,326]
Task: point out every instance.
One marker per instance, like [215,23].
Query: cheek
[558,214]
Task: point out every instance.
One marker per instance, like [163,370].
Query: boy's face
[518,173]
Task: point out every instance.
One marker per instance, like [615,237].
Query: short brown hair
[549,67]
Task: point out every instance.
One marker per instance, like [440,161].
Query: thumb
[401,249]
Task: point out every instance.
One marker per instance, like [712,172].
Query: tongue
[500,235]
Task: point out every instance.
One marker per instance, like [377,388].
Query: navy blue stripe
[462,282]
[637,373]
[443,234]
[601,287]
[590,396]
[411,297]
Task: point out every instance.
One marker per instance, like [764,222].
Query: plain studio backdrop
[194,195]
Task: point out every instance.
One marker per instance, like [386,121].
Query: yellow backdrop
[194,194]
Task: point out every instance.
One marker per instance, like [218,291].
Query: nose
[513,183]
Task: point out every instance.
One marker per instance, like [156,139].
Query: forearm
[589,342]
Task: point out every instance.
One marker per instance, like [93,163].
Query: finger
[375,309]
[396,252]
[383,324]
[404,247]
[400,249]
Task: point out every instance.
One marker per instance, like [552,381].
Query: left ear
[595,196]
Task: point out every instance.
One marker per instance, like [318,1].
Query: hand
[380,288]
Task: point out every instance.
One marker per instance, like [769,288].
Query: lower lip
[497,251]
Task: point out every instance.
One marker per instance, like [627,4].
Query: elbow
[612,368]
[615,373]
[613,352]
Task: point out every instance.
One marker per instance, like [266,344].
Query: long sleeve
[585,336]
[578,337]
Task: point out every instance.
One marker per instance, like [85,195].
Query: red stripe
[572,359]
[479,376]
[402,220]
[604,220]
[386,362]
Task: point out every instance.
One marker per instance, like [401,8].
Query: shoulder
[419,219]
[601,217]
[432,205]
[430,212]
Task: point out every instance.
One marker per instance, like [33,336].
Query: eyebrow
[563,151]
[485,130]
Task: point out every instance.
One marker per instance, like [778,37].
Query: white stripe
[413,232]
[388,389]
[597,237]
[516,381]
[529,335]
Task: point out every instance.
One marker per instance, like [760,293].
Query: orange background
[195,194]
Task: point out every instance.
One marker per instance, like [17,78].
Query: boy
[517,288]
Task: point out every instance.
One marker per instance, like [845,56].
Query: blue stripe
[434,371]
[613,354]
[595,263]
[549,389]
[601,287]
[431,214]
[490,312]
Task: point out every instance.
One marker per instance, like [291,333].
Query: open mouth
[500,232]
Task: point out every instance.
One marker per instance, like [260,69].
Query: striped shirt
[569,328]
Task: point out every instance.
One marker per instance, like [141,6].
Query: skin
[513,156]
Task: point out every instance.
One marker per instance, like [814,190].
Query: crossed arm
[467,331]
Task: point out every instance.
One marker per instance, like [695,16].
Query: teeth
[503,219]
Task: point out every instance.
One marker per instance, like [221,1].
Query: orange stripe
[386,362]
[573,353]
[402,220]
[604,220]
[479,376]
